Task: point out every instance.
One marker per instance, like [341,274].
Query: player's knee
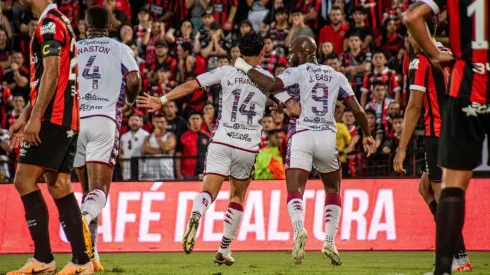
[60,187]
[24,182]
[422,190]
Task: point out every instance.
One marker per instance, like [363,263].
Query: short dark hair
[160,115]
[397,116]
[187,47]
[332,56]
[251,44]
[370,112]
[355,33]
[360,9]
[379,51]
[97,17]
[267,115]
[194,112]
[336,7]
[273,132]
[378,83]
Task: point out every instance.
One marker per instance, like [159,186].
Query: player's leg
[241,169]
[327,163]
[217,168]
[460,149]
[298,166]
[37,218]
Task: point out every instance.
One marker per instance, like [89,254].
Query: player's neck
[360,24]
[252,60]
[379,69]
[37,11]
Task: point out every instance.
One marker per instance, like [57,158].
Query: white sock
[201,203]
[233,217]
[93,204]
[295,210]
[94,228]
[332,216]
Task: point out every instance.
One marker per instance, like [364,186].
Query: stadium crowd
[175,40]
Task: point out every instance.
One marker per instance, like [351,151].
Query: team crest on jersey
[414,65]
[49,28]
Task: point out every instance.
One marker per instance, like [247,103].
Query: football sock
[71,221]
[93,204]
[37,217]
[94,228]
[295,210]
[233,217]
[332,216]
[450,220]
[201,203]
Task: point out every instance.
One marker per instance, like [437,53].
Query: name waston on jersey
[91,49]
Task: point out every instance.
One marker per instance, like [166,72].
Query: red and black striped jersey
[375,10]
[387,77]
[54,36]
[272,61]
[221,9]
[425,78]
[158,8]
[469,34]
[306,6]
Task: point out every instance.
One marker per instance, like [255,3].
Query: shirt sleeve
[210,78]
[283,96]
[345,89]
[290,76]
[52,37]
[435,5]
[128,61]
[365,84]
[418,70]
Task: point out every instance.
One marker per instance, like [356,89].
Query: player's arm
[133,77]
[415,21]
[412,115]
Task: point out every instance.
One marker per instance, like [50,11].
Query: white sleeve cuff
[432,5]
[418,88]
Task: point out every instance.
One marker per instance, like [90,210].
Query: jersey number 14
[250,113]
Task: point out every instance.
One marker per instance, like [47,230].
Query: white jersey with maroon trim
[103,64]
[241,107]
[319,88]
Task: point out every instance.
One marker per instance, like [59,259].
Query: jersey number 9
[323,98]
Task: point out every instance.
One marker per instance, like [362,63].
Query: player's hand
[441,60]
[31,132]
[278,108]
[398,161]
[16,134]
[152,103]
[369,145]
[293,109]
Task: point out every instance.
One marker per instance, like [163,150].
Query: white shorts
[317,149]
[98,141]
[227,161]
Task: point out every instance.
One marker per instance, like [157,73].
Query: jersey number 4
[250,113]
[95,75]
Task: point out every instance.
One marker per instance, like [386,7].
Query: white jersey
[102,66]
[241,107]
[319,88]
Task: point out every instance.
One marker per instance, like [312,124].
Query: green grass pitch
[275,263]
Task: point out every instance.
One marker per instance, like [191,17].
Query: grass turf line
[275,263]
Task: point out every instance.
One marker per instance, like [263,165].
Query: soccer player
[466,119]
[427,90]
[312,140]
[48,131]
[109,78]
[234,143]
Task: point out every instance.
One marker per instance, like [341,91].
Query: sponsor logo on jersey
[480,68]
[95,97]
[238,126]
[240,136]
[49,28]
[476,109]
[86,108]
[414,65]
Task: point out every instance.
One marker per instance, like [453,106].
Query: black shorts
[431,152]
[56,151]
[464,126]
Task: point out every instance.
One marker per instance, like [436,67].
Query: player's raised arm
[265,83]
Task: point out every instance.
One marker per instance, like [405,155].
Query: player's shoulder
[419,61]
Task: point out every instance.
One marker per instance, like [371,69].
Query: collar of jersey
[48,8]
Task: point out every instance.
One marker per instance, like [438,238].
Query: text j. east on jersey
[103,64]
[469,35]
[319,87]
[54,36]
[241,107]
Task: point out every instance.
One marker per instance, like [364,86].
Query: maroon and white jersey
[241,107]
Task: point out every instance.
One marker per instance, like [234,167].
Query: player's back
[103,64]
[319,87]
[241,107]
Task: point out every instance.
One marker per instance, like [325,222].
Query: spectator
[271,60]
[208,115]
[5,102]
[269,162]
[379,102]
[71,9]
[194,101]
[335,32]
[162,10]
[5,174]
[390,40]
[299,27]
[268,125]
[192,146]
[81,30]
[394,108]
[333,60]
[5,51]
[175,123]
[390,144]
[161,83]
[17,77]
[375,10]
[214,47]
[224,13]
[125,34]
[356,63]
[160,144]
[235,53]
[163,59]
[311,10]
[245,27]
[278,119]
[204,33]
[142,31]
[258,11]
[279,30]
[380,73]
[366,33]
[394,12]
[19,104]
[141,62]
[157,33]
[131,145]
[349,121]
[189,63]
[177,37]
[223,61]
[22,41]
[325,49]
[197,9]
[5,23]
[271,15]
[343,135]
[116,17]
